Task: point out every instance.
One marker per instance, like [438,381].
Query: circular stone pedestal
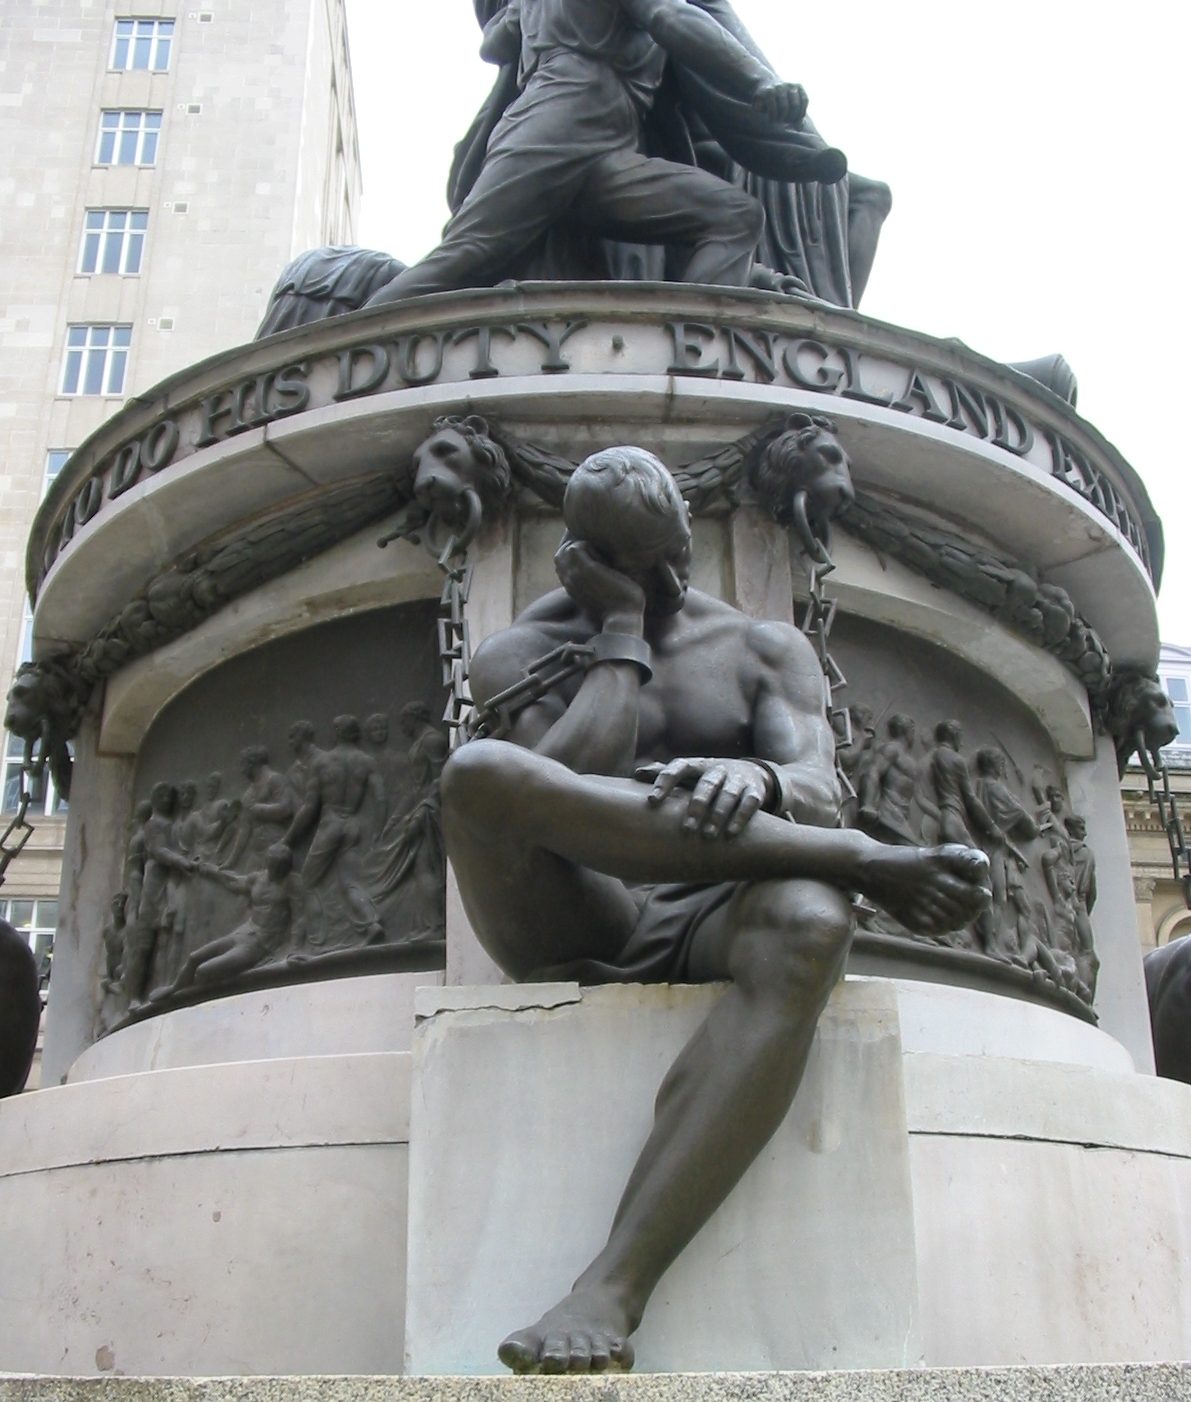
[208,562]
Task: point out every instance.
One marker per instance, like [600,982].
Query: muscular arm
[160,851]
[502,36]
[790,728]
[306,815]
[596,733]
[700,42]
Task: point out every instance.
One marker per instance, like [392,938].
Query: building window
[142,43]
[1180,697]
[37,920]
[46,801]
[113,241]
[26,649]
[55,461]
[96,359]
[128,138]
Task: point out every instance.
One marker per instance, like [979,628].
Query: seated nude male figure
[733,807]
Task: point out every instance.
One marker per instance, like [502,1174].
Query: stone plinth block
[1154,1382]
[529,1107]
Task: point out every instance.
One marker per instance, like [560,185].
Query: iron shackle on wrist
[623,647]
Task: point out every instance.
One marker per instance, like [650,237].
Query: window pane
[77,336]
[70,377]
[128,145]
[139,219]
[1176,688]
[93,379]
[90,252]
[113,247]
[95,218]
[149,149]
[12,787]
[132,263]
[162,61]
[1182,715]
[107,145]
[16,747]
[47,915]
[55,461]
[22,914]
[116,377]
[122,336]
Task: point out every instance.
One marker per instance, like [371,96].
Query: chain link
[19,829]
[454,640]
[1163,799]
[816,626]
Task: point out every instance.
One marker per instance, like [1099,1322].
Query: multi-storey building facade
[1162,913]
[160,166]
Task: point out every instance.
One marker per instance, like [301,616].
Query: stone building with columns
[161,165]
[1162,912]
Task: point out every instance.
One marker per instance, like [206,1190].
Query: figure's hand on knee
[726,793]
[782,102]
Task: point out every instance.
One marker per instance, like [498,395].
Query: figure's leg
[783,944]
[527,836]
[642,199]
[529,180]
[324,848]
[360,905]
[196,963]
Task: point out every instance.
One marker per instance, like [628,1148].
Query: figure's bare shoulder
[501,659]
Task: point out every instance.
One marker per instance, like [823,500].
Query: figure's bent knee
[793,936]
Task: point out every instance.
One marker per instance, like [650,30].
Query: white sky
[1038,155]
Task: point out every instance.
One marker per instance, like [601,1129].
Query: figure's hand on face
[596,587]
[726,792]
[781,102]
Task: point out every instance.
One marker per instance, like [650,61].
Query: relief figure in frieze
[889,784]
[337,782]
[275,904]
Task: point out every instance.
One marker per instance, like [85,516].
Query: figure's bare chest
[699,701]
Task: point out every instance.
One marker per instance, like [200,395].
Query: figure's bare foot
[585,1333]
[929,889]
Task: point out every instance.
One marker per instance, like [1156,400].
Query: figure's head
[1055,797]
[164,799]
[143,811]
[301,736]
[808,458]
[625,504]
[460,456]
[1137,709]
[213,786]
[119,903]
[414,715]
[347,730]
[187,793]
[862,717]
[253,760]
[376,729]
[279,861]
[901,727]
[949,734]
[1076,826]
[990,762]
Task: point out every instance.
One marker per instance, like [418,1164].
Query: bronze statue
[568,147]
[20,1009]
[670,815]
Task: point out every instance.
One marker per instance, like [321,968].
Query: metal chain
[816,626]
[454,640]
[19,830]
[1163,800]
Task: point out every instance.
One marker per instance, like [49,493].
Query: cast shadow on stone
[338,853]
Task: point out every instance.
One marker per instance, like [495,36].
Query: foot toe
[580,1359]
[556,1353]
[621,1351]
[601,1353]
[520,1352]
